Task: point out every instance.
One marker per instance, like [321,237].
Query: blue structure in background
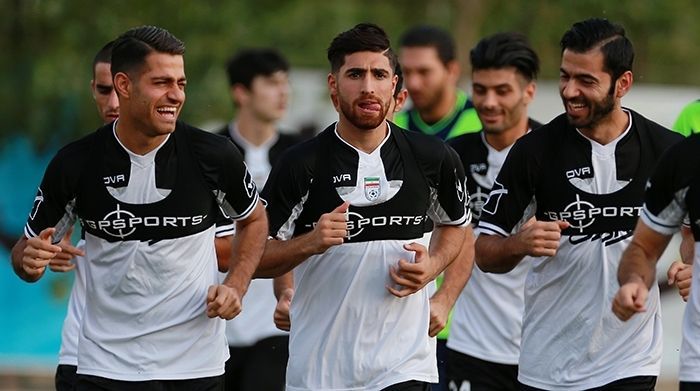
[31,315]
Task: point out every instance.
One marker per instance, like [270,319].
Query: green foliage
[47,46]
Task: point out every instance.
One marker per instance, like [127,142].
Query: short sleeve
[511,194]
[450,198]
[55,199]
[286,190]
[664,199]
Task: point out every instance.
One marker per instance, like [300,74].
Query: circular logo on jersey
[354,224]
[477,201]
[575,208]
[118,230]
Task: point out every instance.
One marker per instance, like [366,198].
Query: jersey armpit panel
[224,170]
[55,198]
[513,189]
[668,189]
[443,170]
[287,188]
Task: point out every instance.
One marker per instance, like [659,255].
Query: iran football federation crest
[372,188]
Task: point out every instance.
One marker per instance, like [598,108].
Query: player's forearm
[247,249]
[445,244]
[283,283]
[496,254]
[687,249]
[636,263]
[281,256]
[458,272]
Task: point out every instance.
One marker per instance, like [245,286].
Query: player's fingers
[72,250]
[342,208]
[46,233]
[673,270]
[402,292]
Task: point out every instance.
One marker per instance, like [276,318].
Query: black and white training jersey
[256,322]
[348,331]
[149,223]
[672,194]
[487,317]
[570,337]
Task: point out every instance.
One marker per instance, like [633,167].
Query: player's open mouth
[168,112]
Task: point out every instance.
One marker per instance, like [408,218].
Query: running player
[582,176]
[431,72]
[484,343]
[259,87]
[147,191]
[671,194]
[346,208]
[68,259]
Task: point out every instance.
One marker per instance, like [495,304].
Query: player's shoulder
[466,141]
[685,153]
[206,145]
[426,147]
[658,135]
[299,151]
[79,152]
[546,136]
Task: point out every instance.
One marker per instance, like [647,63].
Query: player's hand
[412,276]
[281,316]
[38,253]
[681,275]
[62,261]
[223,301]
[540,238]
[630,299]
[439,313]
[331,229]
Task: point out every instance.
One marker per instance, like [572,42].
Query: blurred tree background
[46,46]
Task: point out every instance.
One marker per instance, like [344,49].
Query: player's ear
[122,84]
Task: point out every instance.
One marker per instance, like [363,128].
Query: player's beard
[350,111]
[597,110]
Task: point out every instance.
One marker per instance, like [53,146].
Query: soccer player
[582,177]
[259,87]
[346,208]
[147,190]
[431,71]
[484,342]
[69,259]
[671,194]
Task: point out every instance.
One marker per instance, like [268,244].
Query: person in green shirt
[688,121]
[431,71]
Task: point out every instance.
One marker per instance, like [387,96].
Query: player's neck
[608,128]
[364,140]
[137,140]
[502,140]
[441,109]
[254,130]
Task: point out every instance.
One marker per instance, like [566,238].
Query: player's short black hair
[131,48]
[364,37]
[104,55]
[503,50]
[618,53]
[248,63]
[431,36]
